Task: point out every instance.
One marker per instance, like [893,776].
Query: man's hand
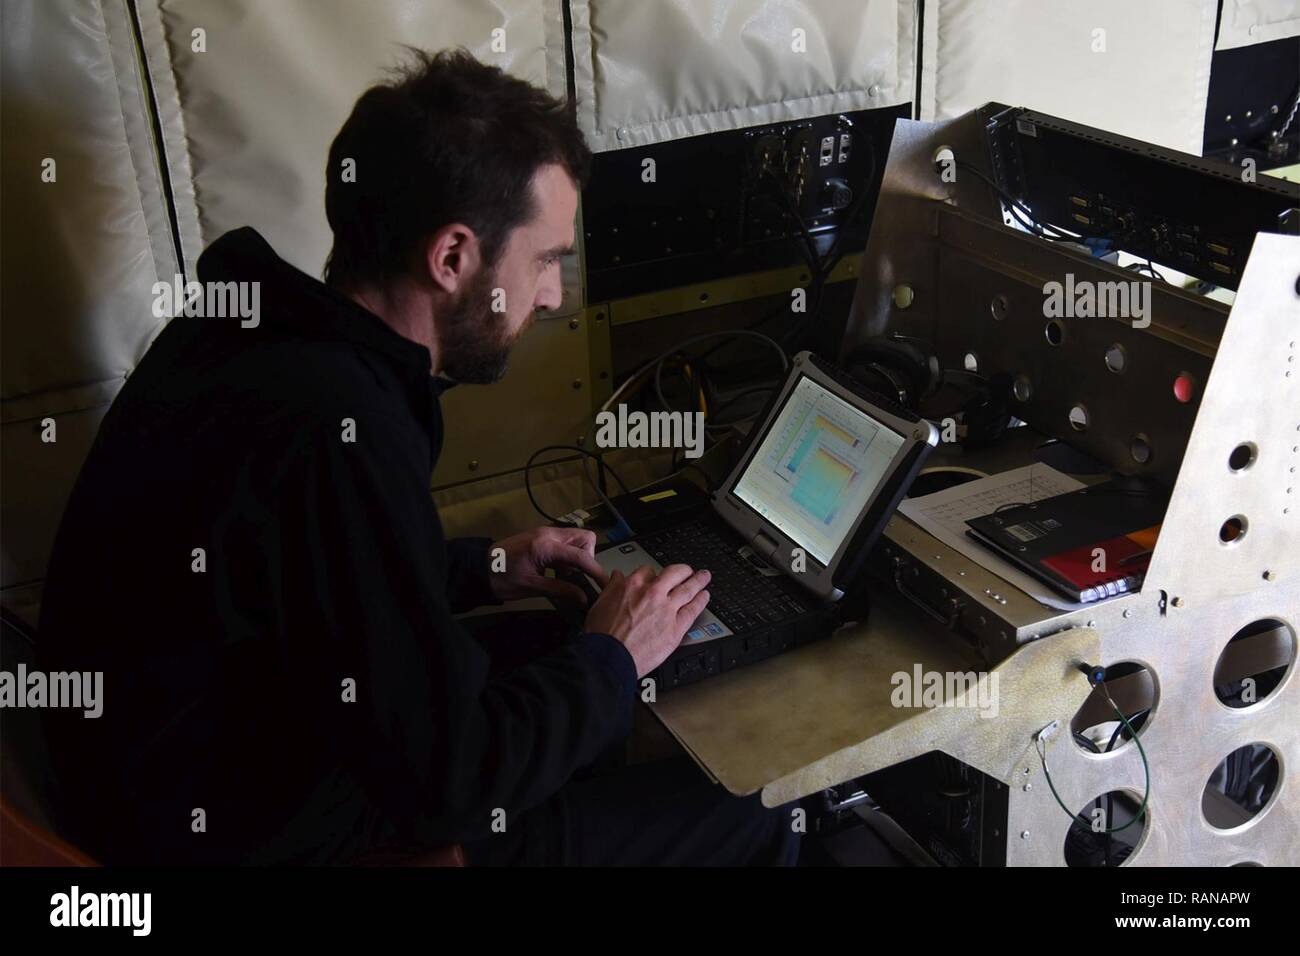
[650,613]
[529,554]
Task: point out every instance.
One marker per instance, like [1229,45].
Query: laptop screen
[817,468]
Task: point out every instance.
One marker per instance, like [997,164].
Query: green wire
[1146,770]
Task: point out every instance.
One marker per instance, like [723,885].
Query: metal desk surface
[822,714]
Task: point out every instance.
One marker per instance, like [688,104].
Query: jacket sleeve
[400,692]
[468,574]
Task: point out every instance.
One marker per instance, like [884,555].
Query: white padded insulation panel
[249,120]
[1246,22]
[647,71]
[1139,69]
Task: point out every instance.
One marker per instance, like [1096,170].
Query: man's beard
[474,343]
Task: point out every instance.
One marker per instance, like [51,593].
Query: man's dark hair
[450,139]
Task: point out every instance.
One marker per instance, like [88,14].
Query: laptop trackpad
[630,556]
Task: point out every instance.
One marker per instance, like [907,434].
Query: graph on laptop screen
[816,469]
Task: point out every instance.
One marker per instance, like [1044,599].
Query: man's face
[500,303]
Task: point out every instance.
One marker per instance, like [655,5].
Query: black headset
[898,367]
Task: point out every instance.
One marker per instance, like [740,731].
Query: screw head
[1270,575]
[1024,834]
[1028,787]
[1177,602]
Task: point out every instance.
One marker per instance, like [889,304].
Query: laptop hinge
[763,545]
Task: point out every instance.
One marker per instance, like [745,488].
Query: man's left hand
[528,555]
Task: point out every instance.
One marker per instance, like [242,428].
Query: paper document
[944,515]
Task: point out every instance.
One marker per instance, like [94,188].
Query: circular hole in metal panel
[1140,449]
[1234,529]
[1096,728]
[1022,388]
[1078,418]
[1241,787]
[1254,663]
[1116,358]
[1054,332]
[1088,844]
[970,362]
[1243,456]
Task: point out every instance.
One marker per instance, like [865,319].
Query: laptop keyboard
[740,596]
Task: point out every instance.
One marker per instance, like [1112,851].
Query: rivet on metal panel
[621,133]
[473,464]
[1177,602]
[1028,787]
[1270,575]
[573,323]
[577,383]
[873,90]
[904,296]
[1024,834]
[1000,307]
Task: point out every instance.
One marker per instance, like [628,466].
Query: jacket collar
[294,303]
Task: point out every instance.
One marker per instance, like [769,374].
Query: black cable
[791,210]
[1120,728]
[737,333]
[823,266]
[587,455]
[708,480]
[732,400]
[1016,206]
[1147,266]
[1086,743]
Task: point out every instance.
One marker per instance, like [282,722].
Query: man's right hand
[650,613]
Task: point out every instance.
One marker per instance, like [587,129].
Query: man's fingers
[672,576]
[579,538]
[691,610]
[688,589]
[568,556]
[642,574]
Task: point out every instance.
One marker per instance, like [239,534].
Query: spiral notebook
[1087,545]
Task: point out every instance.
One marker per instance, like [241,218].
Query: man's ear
[452,255]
